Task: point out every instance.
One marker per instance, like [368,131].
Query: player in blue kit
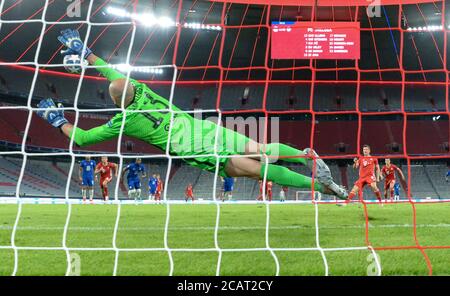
[447,175]
[152,187]
[134,181]
[227,189]
[397,191]
[86,176]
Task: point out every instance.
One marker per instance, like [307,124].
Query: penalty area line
[192,228]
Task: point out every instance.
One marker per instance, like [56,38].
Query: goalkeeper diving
[192,139]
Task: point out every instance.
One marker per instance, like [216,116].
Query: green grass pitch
[241,226]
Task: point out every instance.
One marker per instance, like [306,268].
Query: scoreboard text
[315,40]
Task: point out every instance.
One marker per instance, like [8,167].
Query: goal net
[213,60]
[306,196]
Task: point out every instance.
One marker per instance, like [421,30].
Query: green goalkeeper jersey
[193,140]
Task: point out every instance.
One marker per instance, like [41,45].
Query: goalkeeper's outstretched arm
[104,132]
[54,115]
[119,87]
[92,136]
[74,45]
[103,68]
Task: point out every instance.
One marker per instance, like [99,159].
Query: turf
[241,227]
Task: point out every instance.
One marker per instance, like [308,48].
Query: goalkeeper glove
[52,113]
[71,39]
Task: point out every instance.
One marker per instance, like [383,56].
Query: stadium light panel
[150,20]
[431,28]
[146,19]
[198,26]
[117,11]
[166,22]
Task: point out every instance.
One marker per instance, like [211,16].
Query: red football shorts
[103,180]
[387,183]
[365,181]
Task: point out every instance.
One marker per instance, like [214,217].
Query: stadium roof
[244,42]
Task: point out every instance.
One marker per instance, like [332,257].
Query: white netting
[306,195]
[301,197]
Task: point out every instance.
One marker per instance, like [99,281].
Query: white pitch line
[212,228]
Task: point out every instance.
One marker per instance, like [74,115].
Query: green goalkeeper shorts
[195,141]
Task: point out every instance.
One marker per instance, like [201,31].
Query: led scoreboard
[315,40]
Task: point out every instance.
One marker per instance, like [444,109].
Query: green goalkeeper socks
[285,177]
[278,149]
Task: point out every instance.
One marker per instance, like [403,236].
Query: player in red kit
[388,172]
[189,192]
[268,192]
[105,169]
[369,174]
[260,196]
[269,185]
[159,188]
